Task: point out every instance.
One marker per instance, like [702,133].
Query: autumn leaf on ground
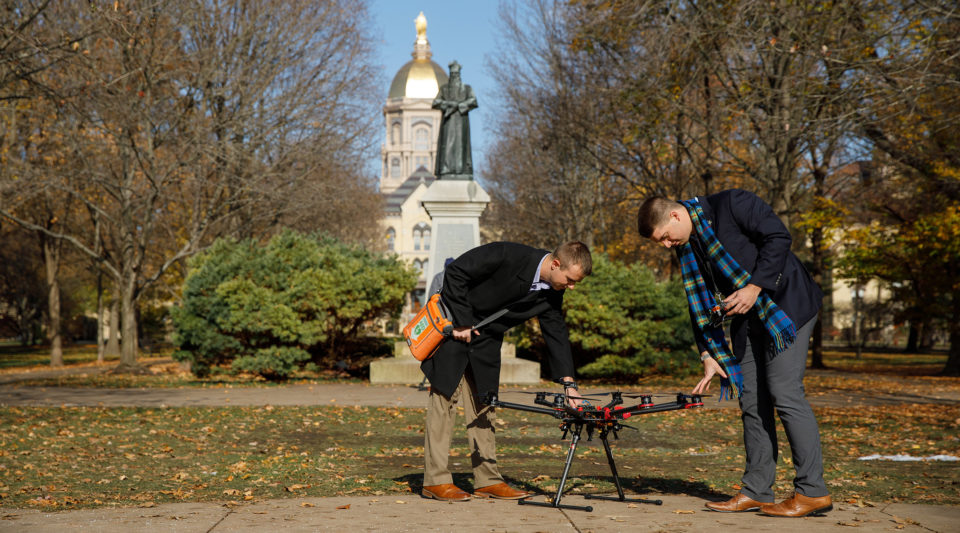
[347,506]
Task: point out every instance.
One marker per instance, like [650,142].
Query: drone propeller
[663,395]
[555,393]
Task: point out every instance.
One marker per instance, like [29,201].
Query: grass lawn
[14,356]
[83,371]
[61,458]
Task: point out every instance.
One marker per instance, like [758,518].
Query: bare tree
[546,188]
[193,120]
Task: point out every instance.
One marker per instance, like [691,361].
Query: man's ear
[555,264]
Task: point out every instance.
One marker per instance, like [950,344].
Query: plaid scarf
[701,299]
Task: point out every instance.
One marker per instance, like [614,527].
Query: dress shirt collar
[537,284]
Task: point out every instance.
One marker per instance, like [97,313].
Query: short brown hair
[575,253]
[653,213]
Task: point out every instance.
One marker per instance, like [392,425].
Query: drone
[602,420]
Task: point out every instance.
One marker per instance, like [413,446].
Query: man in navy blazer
[529,282]
[750,232]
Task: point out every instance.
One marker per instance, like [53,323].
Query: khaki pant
[441,415]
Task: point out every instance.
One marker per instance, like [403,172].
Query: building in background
[408,154]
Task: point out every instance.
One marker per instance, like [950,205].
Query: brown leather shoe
[799,505]
[447,492]
[501,491]
[738,504]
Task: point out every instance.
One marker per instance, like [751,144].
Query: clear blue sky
[458,30]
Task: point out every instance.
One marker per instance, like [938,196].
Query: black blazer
[479,283]
[755,236]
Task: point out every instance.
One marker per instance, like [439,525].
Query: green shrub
[628,324]
[271,309]
[624,324]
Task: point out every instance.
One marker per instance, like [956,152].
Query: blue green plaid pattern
[701,299]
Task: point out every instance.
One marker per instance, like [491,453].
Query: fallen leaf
[681,511]
[347,506]
[306,504]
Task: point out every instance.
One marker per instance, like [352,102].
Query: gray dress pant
[776,383]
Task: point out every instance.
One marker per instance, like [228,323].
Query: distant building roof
[396,198]
[420,77]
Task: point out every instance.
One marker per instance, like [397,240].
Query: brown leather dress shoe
[738,504]
[501,491]
[447,492]
[799,505]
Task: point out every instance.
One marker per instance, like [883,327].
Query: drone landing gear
[576,429]
[616,480]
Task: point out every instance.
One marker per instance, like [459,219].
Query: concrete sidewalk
[411,513]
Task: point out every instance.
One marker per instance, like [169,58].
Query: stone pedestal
[454,207]
[402,368]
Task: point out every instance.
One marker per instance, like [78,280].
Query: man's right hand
[464,334]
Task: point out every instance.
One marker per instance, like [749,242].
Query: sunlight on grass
[86,457]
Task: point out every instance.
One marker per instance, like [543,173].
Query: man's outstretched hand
[710,368]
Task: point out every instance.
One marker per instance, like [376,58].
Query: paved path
[678,514]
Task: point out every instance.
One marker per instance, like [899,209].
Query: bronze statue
[455,100]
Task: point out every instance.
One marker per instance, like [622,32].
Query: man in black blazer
[749,231]
[529,282]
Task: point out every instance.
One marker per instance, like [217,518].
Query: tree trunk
[913,338]
[113,342]
[101,342]
[51,260]
[952,368]
[816,356]
[926,335]
[818,269]
[128,349]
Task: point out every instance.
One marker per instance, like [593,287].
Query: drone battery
[428,329]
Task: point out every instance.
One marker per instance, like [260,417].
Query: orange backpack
[428,329]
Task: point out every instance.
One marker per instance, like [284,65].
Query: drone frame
[605,420]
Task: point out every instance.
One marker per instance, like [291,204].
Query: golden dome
[418,79]
[421,77]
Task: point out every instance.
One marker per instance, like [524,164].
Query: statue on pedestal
[454,100]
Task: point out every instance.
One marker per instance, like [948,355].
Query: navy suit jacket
[755,236]
[479,283]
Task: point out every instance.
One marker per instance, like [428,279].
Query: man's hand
[573,395]
[710,368]
[573,398]
[464,334]
[742,301]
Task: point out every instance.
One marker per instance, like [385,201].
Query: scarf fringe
[782,339]
[731,388]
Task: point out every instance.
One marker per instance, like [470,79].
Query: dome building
[411,124]
[408,155]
